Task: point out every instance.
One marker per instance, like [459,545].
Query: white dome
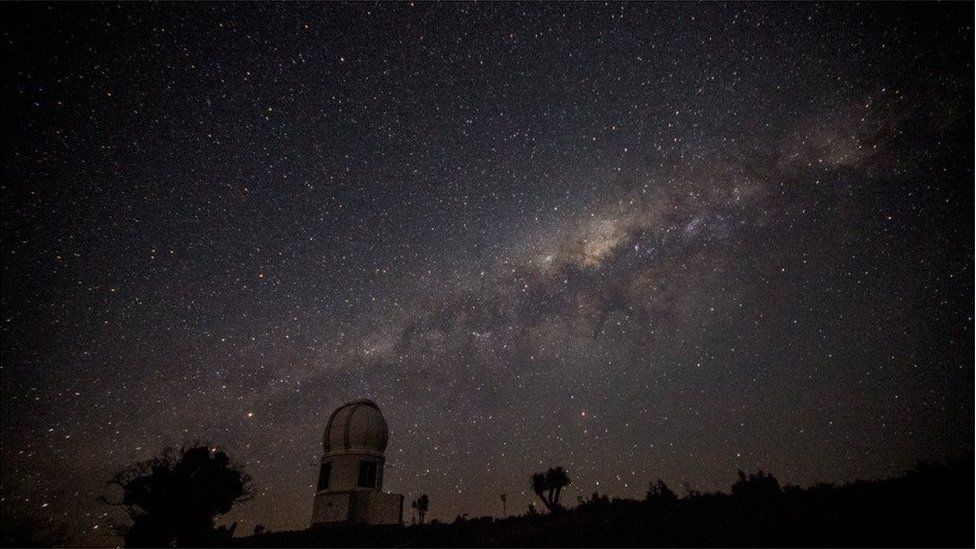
[357,426]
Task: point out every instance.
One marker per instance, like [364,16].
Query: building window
[367,474]
[324,473]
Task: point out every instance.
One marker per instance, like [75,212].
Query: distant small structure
[350,487]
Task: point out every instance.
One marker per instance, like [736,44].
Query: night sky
[635,240]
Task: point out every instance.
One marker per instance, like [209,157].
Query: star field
[635,240]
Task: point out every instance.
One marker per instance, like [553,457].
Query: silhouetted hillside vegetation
[175,497]
[931,505]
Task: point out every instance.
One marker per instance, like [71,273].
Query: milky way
[639,241]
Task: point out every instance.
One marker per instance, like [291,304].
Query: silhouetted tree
[558,479]
[757,487]
[175,497]
[223,532]
[596,502]
[659,494]
[539,486]
[549,485]
[421,504]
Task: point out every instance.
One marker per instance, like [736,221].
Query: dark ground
[931,506]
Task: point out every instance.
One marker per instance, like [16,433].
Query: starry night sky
[635,240]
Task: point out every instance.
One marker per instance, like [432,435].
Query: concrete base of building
[357,506]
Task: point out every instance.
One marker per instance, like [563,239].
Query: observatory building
[350,487]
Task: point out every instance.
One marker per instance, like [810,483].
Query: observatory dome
[356,427]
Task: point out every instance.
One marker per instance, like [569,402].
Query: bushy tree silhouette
[659,494]
[756,488]
[174,497]
[549,485]
[596,502]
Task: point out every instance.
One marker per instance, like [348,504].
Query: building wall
[357,506]
[331,507]
[377,508]
[345,470]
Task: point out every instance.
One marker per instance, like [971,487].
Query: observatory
[350,487]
